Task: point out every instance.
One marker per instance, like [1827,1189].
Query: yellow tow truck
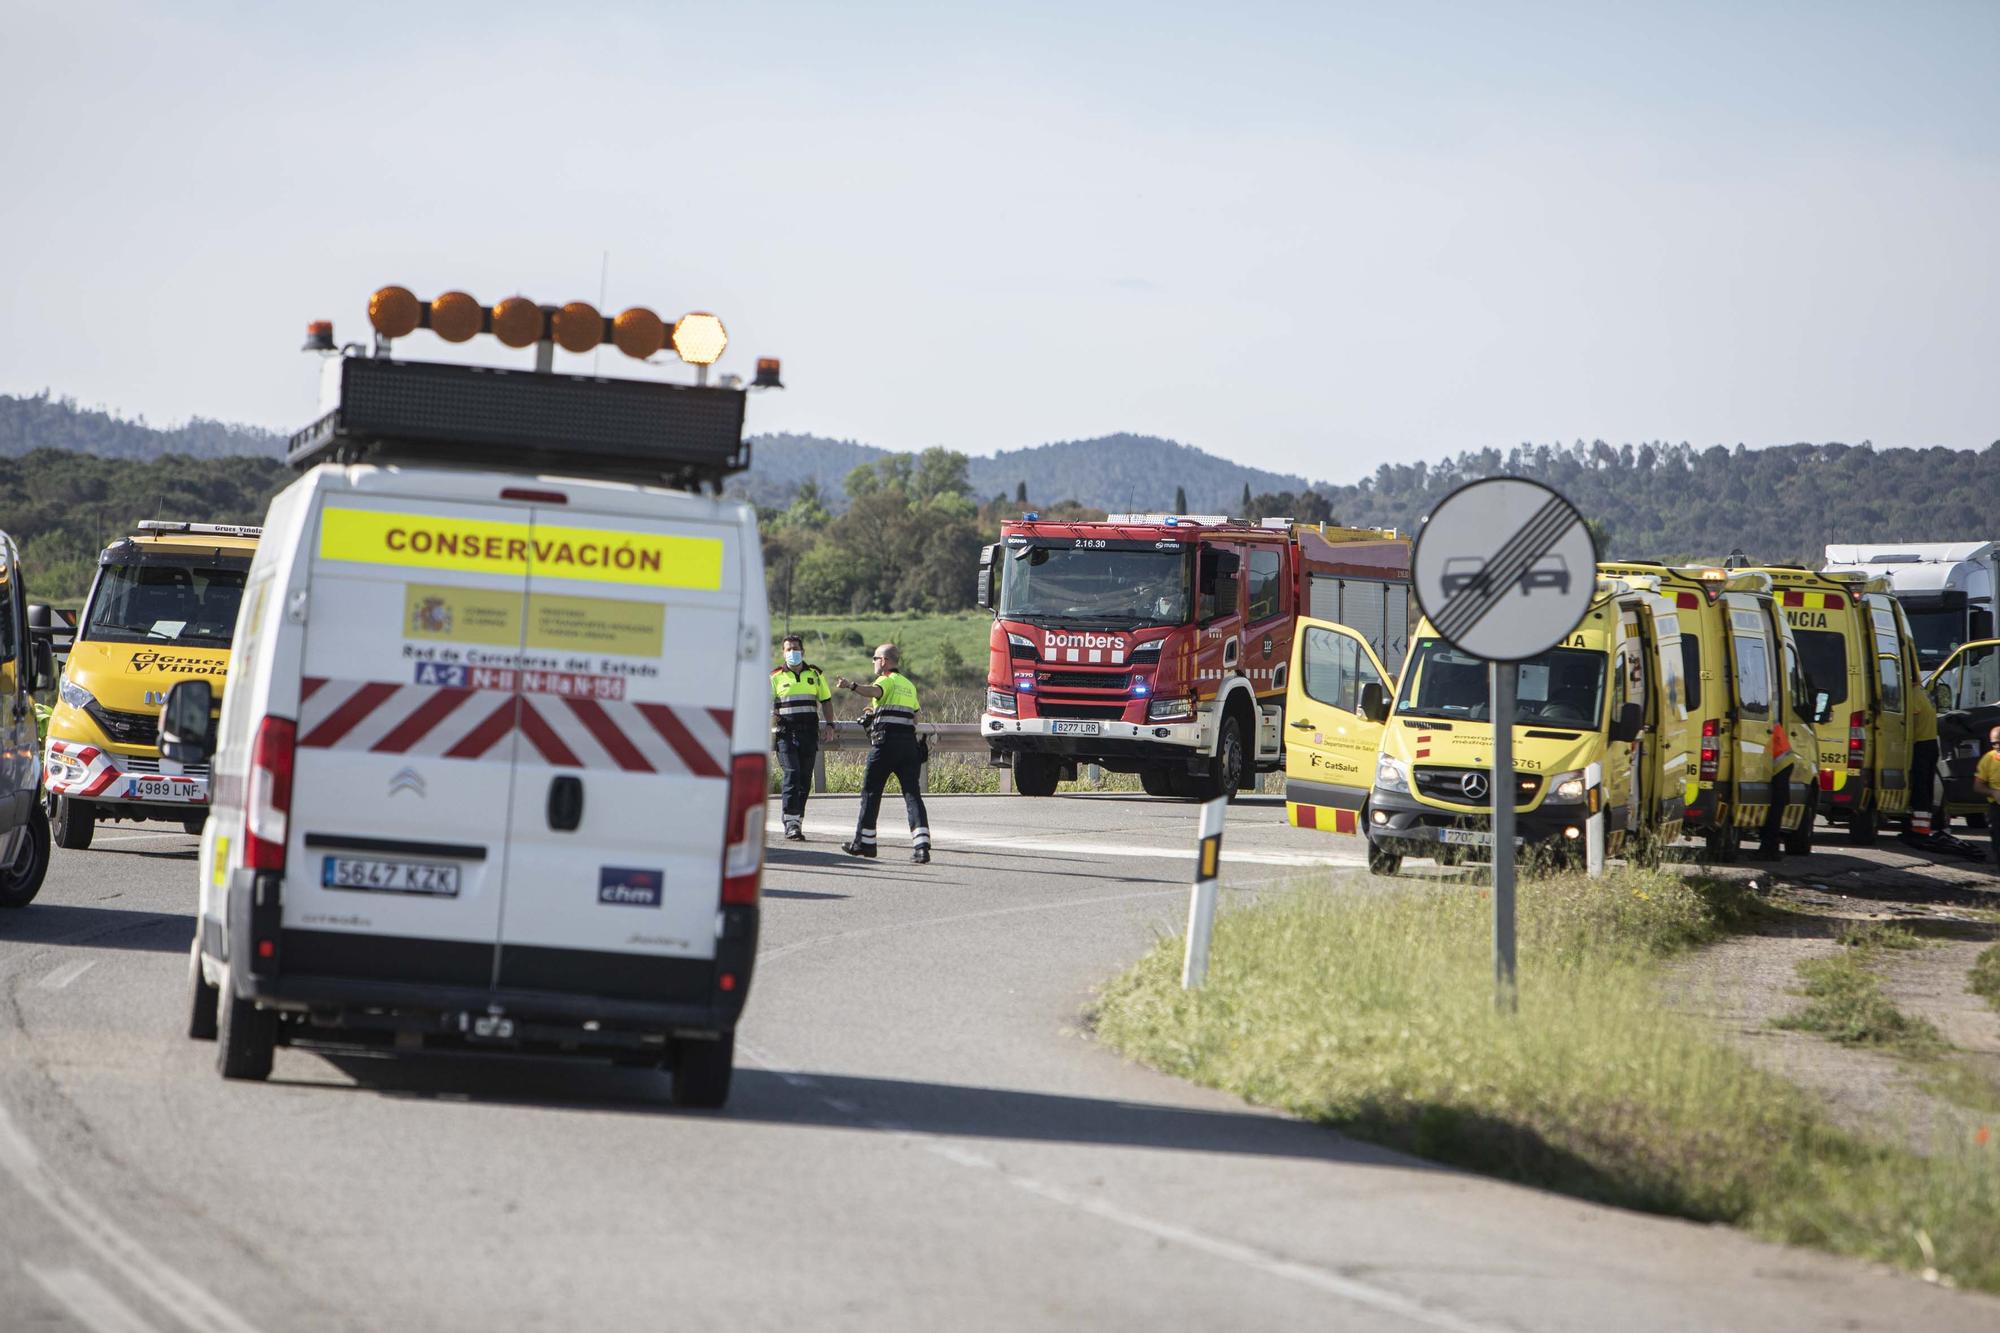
[162,609]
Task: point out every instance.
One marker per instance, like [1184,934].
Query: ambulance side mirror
[187,723]
[1631,720]
[1374,702]
[44,656]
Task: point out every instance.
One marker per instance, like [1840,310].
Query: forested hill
[42,422]
[1115,472]
[1783,503]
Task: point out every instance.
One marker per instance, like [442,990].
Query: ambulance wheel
[75,823]
[701,1071]
[1862,826]
[1157,782]
[202,999]
[1799,841]
[1723,844]
[1036,774]
[245,1038]
[1382,862]
[20,882]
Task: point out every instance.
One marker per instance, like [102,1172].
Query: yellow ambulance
[162,609]
[1859,655]
[1609,695]
[1750,711]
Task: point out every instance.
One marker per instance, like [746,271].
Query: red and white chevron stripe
[384,718]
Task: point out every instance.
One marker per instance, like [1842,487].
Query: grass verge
[1985,978]
[1373,1013]
[1845,1003]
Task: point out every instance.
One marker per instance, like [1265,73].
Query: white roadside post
[1201,903]
[1593,823]
[1504,570]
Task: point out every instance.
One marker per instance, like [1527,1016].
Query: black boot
[921,855]
[861,849]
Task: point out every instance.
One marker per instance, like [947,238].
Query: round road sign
[1504,568]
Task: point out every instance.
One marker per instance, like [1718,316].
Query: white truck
[1947,589]
[490,770]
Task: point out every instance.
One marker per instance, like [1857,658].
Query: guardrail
[945,738]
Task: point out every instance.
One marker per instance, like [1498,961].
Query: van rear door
[634,619]
[407,740]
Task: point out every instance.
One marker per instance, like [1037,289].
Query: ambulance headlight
[74,694]
[999,701]
[1390,775]
[1566,787]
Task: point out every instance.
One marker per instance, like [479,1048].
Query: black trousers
[893,754]
[1993,828]
[1774,821]
[1923,779]
[798,751]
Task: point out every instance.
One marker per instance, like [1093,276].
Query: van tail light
[267,795]
[1711,749]
[743,854]
[1857,740]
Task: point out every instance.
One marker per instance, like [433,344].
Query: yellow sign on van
[486,546]
[577,624]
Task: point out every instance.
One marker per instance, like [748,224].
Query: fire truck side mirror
[986,597]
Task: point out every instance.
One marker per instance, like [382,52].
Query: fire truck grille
[1084,680]
[1098,712]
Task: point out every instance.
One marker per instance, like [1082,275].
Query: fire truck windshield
[1095,585]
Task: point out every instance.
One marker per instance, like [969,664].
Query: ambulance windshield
[1094,585]
[1564,687]
[166,601]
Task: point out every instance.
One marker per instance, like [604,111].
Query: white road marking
[944,839]
[179,1295]
[139,837]
[67,973]
[1174,1233]
[89,1301]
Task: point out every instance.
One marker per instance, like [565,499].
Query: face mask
[793,657]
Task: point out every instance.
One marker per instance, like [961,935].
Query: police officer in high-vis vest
[892,751]
[802,710]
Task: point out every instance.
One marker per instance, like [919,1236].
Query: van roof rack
[429,412]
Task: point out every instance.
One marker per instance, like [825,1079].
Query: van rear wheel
[1862,826]
[245,1037]
[75,822]
[1799,841]
[702,1071]
[202,999]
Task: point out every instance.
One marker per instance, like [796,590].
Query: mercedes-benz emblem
[1474,785]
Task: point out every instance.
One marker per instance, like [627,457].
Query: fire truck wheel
[1157,782]
[20,882]
[1229,768]
[75,822]
[1862,826]
[1036,774]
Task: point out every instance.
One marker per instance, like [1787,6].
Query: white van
[491,766]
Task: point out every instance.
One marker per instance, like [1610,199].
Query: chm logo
[624,886]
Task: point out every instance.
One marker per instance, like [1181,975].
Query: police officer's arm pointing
[885,662]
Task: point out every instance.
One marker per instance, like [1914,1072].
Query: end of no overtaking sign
[1504,568]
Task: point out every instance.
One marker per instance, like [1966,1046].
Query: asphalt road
[920,1138]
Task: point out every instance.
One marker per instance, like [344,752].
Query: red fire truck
[1158,644]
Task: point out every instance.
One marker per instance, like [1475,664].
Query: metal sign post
[1504,570]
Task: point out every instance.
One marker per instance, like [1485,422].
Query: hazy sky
[1310,237]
